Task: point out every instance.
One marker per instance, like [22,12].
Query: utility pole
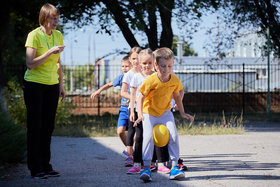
[180,50]
[218,36]
[89,38]
[71,70]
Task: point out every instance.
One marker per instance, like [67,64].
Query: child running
[125,92]
[153,106]
[145,58]
[123,112]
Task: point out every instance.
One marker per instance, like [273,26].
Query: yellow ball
[161,135]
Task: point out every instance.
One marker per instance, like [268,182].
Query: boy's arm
[181,93]
[140,101]
[132,103]
[124,92]
[98,92]
[178,101]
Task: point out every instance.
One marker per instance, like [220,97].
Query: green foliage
[225,124]
[12,140]
[82,76]
[89,126]
[13,95]
[63,113]
[187,50]
[106,125]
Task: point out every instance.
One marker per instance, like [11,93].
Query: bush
[13,95]
[12,140]
[63,113]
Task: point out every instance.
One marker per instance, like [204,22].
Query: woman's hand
[62,93]
[57,49]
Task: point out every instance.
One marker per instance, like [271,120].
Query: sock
[136,164]
[160,164]
[174,163]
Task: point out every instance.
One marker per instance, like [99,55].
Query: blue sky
[83,39]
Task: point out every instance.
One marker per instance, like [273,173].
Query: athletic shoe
[133,170]
[181,166]
[153,167]
[163,169]
[146,175]
[129,161]
[124,154]
[41,175]
[176,173]
[52,173]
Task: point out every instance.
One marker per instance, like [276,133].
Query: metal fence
[81,81]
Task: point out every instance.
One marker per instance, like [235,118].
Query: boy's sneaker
[181,166]
[153,167]
[146,175]
[53,173]
[41,175]
[129,161]
[163,169]
[124,154]
[133,170]
[176,173]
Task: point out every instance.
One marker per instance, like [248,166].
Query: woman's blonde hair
[46,11]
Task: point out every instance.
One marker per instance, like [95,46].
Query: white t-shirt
[136,82]
[127,78]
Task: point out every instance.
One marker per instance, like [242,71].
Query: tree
[254,15]
[150,18]
[130,17]
[187,50]
[18,18]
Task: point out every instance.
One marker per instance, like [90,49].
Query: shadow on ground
[261,127]
[85,162]
[222,163]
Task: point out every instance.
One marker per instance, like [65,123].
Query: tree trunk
[152,33]
[116,10]
[165,9]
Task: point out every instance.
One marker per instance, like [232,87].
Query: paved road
[250,159]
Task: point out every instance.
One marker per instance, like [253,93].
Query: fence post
[98,84]
[268,74]
[243,94]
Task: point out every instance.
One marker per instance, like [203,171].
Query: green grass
[211,124]
[106,125]
[88,126]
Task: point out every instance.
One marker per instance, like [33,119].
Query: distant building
[249,45]
[201,74]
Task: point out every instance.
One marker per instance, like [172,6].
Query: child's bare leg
[129,150]
[121,134]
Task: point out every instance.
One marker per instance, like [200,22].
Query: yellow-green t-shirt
[46,73]
[159,94]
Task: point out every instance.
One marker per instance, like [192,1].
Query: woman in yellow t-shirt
[43,84]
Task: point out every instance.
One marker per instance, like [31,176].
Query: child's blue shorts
[123,117]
